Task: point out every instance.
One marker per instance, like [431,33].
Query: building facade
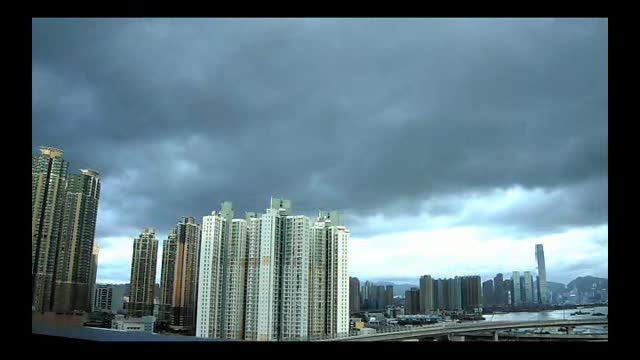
[48,185]
[252,276]
[354,295]
[471,293]
[143,274]
[234,281]
[109,298]
[516,298]
[527,285]
[488,293]
[500,297]
[167,275]
[543,293]
[185,281]
[75,268]
[210,297]
[412,301]
[426,294]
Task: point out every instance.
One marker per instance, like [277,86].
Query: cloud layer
[492,124]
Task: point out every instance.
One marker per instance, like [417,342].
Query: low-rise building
[145,323]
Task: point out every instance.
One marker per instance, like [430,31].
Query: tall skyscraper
[255,275]
[318,285]
[542,275]
[185,281]
[471,293]
[438,298]
[210,284]
[388,295]
[516,298]
[508,291]
[234,291]
[74,276]
[426,294]
[143,274]
[167,275]
[454,293]
[354,295]
[528,288]
[283,294]
[48,181]
[412,301]
[336,305]
[252,276]
[366,290]
[488,293]
[500,296]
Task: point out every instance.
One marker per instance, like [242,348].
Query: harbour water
[556,314]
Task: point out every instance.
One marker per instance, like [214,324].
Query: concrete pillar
[569,330]
[495,336]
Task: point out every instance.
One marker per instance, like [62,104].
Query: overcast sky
[451,147]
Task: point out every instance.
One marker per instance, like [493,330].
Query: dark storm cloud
[358,115]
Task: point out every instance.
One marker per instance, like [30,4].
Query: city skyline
[449,146]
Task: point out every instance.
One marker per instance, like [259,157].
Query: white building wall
[252,279]
[268,278]
[233,322]
[318,280]
[209,285]
[295,281]
[338,281]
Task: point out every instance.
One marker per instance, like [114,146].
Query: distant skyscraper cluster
[521,289]
[64,209]
[374,297]
[273,276]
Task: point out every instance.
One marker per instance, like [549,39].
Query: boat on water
[598,314]
[579,312]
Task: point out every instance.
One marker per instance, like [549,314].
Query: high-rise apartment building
[528,288]
[454,294]
[471,293]
[354,295]
[488,293]
[516,298]
[542,275]
[508,291]
[255,275]
[388,295]
[283,294]
[48,181]
[252,276]
[167,276]
[234,282]
[338,301]
[412,301]
[500,297]
[366,290]
[318,284]
[143,274]
[185,281]
[426,294]
[210,284]
[74,275]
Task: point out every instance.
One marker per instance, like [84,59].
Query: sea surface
[557,314]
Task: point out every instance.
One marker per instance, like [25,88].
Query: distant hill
[556,288]
[586,283]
